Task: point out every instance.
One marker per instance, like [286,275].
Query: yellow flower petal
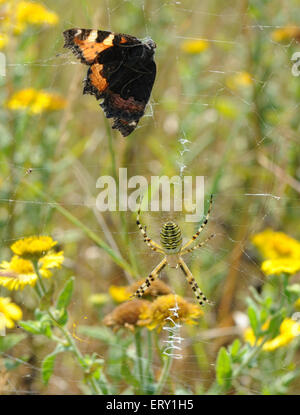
[35,101]
[289,329]
[3,40]
[52,260]
[10,311]
[19,272]
[29,13]
[33,246]
[159,312]
[274,245]
[194,46]
[119,294]
[239,80]
[281,265]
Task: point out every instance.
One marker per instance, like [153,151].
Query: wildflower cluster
[20,271]
[34,101]
[17,16]
[281,253]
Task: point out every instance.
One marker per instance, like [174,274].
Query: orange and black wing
[121,73]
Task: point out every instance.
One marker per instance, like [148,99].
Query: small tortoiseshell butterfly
[121,72]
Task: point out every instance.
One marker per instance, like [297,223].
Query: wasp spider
[172,249]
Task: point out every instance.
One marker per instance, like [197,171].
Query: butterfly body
[121,72]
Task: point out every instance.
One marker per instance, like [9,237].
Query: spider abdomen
[170,237]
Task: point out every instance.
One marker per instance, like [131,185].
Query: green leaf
[38,314]
[224,369]
[48,367]
[235,347]
[274,325]
[66,294]
[253,320]
[46,330]
[49,362]
[9,341]
[63,318]
[33,327]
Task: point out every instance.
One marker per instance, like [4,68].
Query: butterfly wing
[121,72]
[87,44]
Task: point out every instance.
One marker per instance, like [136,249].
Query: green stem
[138,346]
[251,355]
[37,271]
[164,374]
[149,389]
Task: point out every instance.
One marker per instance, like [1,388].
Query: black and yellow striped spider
[172,249]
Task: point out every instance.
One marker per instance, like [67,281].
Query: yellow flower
[19,272]
[29,13]
[126,315]
[286,34]
[249,336]
[3,40]
[51,260]
[9,313]
[33,246]
[157,314]
[241,79]
[281,265]
[288,330]
[194,46]
[35,101]
[273,245]
[119,294]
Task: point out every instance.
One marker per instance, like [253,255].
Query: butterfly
[121,72]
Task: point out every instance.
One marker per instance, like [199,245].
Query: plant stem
[164,374]
[249,358]
[37,271]
[149,381]
[138,344]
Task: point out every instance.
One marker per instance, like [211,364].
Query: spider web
[195,124]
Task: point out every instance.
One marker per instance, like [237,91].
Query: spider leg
[197,246]
[152,244]
[195,236]
[153,248]
[152,277]
[191,280]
